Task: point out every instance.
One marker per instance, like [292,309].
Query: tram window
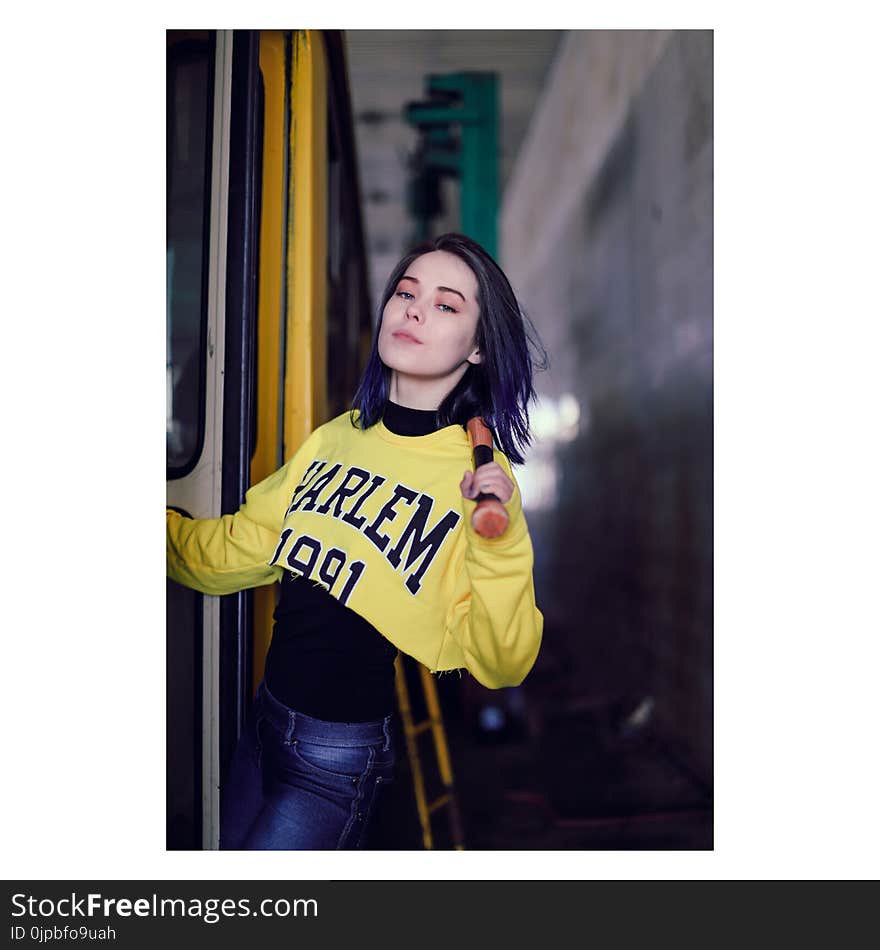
[190,73]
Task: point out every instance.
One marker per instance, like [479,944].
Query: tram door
[266,278]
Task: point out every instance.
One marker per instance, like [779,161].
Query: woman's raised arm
[493,617]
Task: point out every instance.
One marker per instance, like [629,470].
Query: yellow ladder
[412,730]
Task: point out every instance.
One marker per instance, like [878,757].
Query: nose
[414,311]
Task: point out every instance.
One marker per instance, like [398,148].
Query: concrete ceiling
[387,69]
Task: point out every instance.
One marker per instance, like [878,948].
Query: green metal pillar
[459,126]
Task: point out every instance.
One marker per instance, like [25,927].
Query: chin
[408,363]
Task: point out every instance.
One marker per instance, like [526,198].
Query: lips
[407,337]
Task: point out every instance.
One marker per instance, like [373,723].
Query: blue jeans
[300,783]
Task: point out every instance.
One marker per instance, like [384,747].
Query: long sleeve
[493,617]
[230,553]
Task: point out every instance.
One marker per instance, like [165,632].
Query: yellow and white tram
[268,324]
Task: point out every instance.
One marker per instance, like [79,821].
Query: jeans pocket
[384,765]
[349,762]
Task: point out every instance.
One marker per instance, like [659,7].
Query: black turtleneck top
[325,660]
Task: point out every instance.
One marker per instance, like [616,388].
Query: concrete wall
[606,234]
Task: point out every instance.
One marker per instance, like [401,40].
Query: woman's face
[429,326]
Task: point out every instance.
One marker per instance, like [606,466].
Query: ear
[474,357]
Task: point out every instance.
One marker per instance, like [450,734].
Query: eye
[446,308]
[403,293]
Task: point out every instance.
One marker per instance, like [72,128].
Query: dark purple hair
[498,388]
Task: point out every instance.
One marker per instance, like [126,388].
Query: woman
[368,529]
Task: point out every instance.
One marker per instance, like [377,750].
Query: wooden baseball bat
[490,517]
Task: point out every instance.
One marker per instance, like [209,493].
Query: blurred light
[491,719]
[554,421]
[537,482]
[639,718]
[557,420]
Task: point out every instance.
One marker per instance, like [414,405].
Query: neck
[420,393]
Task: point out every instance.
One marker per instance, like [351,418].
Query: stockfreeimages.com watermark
[208,909]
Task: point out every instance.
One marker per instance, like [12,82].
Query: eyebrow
[451,290]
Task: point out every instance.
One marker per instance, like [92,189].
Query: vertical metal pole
[479,175]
